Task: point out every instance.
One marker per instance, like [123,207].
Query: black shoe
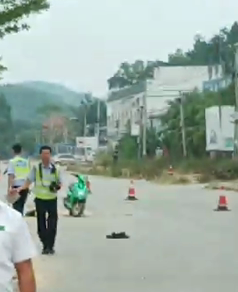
[120,235]
[51,251]
[45,250]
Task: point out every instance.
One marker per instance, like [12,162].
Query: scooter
[76,198]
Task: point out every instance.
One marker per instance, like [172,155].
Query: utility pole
[182,126]
[85,121]
[140,110]
[236,103]
[87,97]
[144,120]
[98,120]
[65,133]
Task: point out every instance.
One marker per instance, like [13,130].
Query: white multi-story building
[123,105]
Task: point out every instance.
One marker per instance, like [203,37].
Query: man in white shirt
[16,251]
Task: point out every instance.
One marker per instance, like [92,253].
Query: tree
[6,127]
[54,125]
[152,142]
[13,13]
[2,68]
[219,49]
[178,58]
[88,108]
[49,110]
[92,113]
[194,114]
[28,134]
[129,74]
[128,147]
[27,139]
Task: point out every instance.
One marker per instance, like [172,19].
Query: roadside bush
[181,180]
[206,169]
[116,171]
[204,178]
[152,168]
[103,159]
[226,170]
[202,165]
[223,169]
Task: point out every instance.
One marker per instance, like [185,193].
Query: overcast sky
[81,43]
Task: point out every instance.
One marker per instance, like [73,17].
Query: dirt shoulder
[228,186]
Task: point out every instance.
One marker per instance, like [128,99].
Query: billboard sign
[219,128]
[135,130]
[87,142]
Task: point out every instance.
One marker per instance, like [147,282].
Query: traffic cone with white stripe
[222,203]
[170,170]
[132,192]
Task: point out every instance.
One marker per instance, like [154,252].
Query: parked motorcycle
[76,198]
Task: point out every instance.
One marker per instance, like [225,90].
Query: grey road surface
[177,242]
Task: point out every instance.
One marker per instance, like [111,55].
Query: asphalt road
[177,242]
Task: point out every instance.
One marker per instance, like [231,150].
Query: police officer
[47,180]
[18,170]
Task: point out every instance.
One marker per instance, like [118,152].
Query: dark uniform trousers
[47,218]
[20,203]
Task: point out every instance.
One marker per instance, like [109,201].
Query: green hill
[25,98]
[65,94]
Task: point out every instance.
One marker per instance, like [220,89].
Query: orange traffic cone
[222,203]
[170,170]
[132,192]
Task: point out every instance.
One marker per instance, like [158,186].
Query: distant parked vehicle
[85,154]
[90,154]
[64,159]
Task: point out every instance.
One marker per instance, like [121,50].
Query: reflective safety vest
[41,188]
[21,167]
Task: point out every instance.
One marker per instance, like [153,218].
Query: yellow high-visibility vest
[41,189]
[21,167]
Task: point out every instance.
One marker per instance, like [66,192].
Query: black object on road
[31,213]
[120,235]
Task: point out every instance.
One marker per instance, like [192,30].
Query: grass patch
[185,171]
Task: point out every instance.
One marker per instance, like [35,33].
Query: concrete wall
[170,82]
[185,78]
